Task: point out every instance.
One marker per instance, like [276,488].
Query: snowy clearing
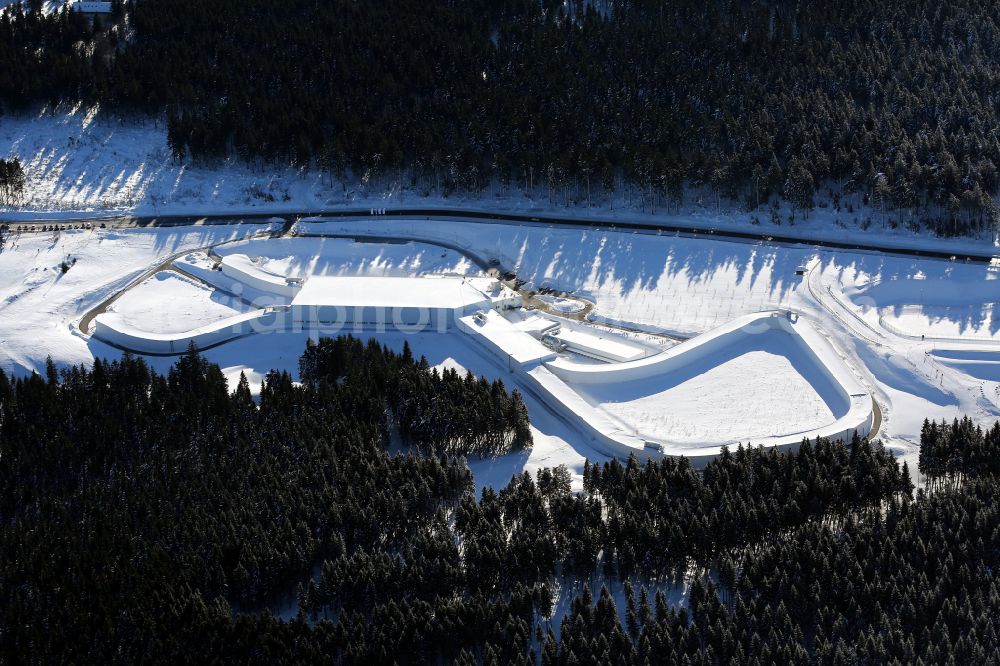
[638,378]
[685,285]
[79,160]
[40,305]
[170,303]
[970,322]
[643,281]
[298,257]
[759,386]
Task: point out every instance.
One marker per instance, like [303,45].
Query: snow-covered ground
[944,300]
[644,280]
[690,285]
[760,386]
[79,160]
[40,304]
[961,322]
[171,303]
[949,372]
[684,285]
[48,6]
[298,257]
[980,364]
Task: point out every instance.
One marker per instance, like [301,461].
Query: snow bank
[700,347]
[170,302]
[114,330]
[202,267]
[848,401]
[956,323]
[303,256]
[241,268]
[606,435]
[958,288]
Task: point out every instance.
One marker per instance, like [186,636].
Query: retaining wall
[848,399]
[241,268]
[706,344]
[405,319]
[110,329]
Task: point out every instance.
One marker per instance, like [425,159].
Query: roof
[603,345]
[535,325]
[390,292]
[505,339]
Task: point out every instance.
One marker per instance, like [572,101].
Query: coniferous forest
[165,519]
[11,181]
[887,105]
[173,518]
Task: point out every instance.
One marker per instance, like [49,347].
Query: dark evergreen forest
[162,519]
[888,104]
[11,181]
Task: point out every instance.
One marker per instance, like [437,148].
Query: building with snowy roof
[428,303]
